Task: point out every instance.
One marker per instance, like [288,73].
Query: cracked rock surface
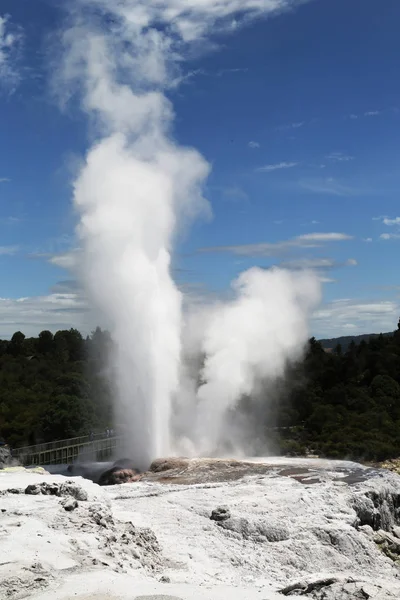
[312,529]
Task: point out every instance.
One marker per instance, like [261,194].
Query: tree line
[337,404]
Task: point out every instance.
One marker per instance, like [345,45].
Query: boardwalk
[67,451]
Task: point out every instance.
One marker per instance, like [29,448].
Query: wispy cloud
[345,315]
[234,193]
[366,114]
[68,260]
[339,157]
[317,263]
[187,76]
[288,126]
[368,239]
[10,220]
[276,167]
[54,311]
[253,144]
[10,39]
[389,222]
[265,249]
[390,236]
[330,186]
[8,250]
[324,237]
[4,180]
[223,72]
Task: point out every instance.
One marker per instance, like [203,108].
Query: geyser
[135,190]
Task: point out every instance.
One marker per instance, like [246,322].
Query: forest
[335,403]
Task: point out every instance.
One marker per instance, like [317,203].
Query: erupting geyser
[135,189]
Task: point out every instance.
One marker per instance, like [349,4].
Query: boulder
[5,457]
[222,513]
[69,503]
[117,476]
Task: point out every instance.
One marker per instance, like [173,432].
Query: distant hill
[346,340]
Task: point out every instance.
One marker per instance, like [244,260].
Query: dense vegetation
[339,404]
[348,405]
[51,387]
[346,340]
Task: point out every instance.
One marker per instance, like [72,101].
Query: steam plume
[135,190]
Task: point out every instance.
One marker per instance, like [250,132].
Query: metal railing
[49,446]
[96,447]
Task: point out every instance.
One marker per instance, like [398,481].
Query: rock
[5,457]
[259,531]
[117,476]
[168,464]
[222,513]
[69,503]
[273,532]
[365,510]
[396,531]
[165,579]
[34,489]
[68,488]
[72,489]
[388,544]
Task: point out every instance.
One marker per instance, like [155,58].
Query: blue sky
[299,116]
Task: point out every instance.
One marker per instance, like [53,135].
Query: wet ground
[184,471]
[305,471]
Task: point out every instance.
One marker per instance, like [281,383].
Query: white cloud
[10,39]
[309,263]
[295,125]
[339,157]
[32,315]
[8,250]
[234,193]
[327,280]
[367,239]
[330,186]
[309,240]
[372,113]
[324,237]
[68,260]
[317,263]
[389,222]
[390,236]
[223,72]
[333,319]
[351,262]
[4,179]
[276,167]
[253,144]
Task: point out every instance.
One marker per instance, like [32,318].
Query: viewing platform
[96,448]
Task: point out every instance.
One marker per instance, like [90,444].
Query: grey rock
[34,489]
[396,531]
[273,532]
[72,489]
[259,531]
[6,459]
[69,503]
[61,490]
[222,513]
[157,597]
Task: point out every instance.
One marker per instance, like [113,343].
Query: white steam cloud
[134,191]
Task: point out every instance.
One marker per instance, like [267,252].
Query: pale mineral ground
[262,529]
